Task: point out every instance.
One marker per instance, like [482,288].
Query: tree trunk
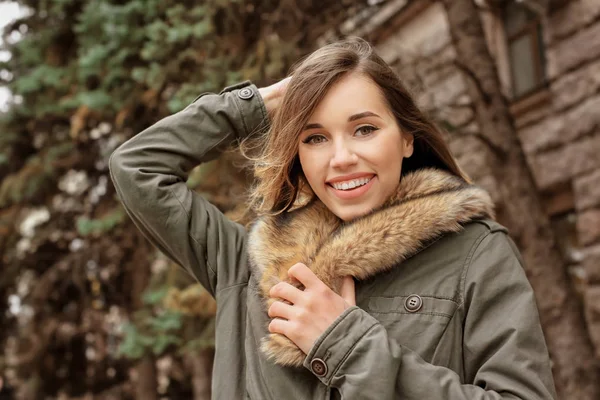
[31,389]
[139,271]
[145,383]
[201,363]
[574,367]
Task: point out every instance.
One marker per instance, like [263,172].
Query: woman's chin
[349,213]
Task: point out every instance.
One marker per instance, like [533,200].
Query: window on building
[525,48]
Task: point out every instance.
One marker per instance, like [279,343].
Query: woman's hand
[311,311]
[272,95]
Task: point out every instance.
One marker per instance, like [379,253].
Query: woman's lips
[352,193]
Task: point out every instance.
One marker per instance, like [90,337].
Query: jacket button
[245,93]
[319,367]
[413,303]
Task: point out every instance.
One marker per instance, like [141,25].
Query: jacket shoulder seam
[467,264]
[232,286]
[491,225]
[192,236]
[212,270]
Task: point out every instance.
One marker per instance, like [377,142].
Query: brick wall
[559,125]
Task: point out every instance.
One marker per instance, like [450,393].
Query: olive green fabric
[477,334]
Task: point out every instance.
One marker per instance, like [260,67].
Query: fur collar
[428,204]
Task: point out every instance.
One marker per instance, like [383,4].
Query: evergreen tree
[86,297]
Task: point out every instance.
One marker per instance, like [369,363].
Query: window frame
[532,28]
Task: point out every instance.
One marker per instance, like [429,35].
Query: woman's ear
[408,141]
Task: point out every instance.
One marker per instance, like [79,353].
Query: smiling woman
[344,83]
[352,159]
[391,281]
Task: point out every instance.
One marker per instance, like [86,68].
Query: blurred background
[89,310]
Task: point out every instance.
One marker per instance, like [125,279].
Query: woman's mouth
[353,188]
[349,185]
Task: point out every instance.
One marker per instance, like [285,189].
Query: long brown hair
[278,170]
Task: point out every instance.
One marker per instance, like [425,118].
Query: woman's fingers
[282,85]
[280,326]
[281,310]
[305,276]
[311,310]
[273,94]
[285,291]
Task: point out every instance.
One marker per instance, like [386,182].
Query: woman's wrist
[273,94]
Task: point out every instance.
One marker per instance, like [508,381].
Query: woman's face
[351,150]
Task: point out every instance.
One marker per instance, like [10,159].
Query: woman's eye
[314,139]
[365,130]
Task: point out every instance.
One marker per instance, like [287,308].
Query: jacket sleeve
[150,171]
[504,351]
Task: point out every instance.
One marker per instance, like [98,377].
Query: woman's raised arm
[150,170]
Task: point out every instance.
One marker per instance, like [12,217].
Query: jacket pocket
[414,321]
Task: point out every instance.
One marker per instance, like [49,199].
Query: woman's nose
[343,156]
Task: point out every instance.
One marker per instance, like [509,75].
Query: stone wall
[559,125]
[563,143]
[422,53]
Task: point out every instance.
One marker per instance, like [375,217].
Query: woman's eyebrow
[350,119]
[362,115]
[313,126]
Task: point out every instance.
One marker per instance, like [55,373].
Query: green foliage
[97,59]
[160,326]
[79,63]
[87,226]
[200,173]
[120,46]
[166,321]
[153,329]
[162,342]
[38,172]
[8,139]
[134,344]
[40,78]
[155,297]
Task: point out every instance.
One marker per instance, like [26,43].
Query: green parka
[455,320]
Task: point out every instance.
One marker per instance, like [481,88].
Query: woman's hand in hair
[272,95]
[312,310]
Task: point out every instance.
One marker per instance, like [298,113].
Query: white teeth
[351,184]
